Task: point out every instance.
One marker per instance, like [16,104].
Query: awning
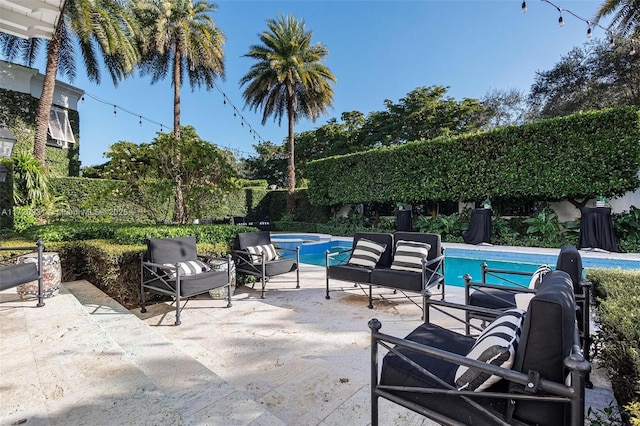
[30,18]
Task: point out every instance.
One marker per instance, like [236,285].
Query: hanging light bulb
[115,113]
[224,99]
[633,50]
[612,41]
[524,6]
[140,121]
[560,20]
[588,29]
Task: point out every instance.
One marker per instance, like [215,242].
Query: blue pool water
[458,261]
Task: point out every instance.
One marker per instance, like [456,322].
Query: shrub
[617,295]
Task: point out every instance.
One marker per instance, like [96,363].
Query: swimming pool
[459,260]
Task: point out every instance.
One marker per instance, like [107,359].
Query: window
[60,133]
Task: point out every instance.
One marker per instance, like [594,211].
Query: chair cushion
[492,298]
[398,279]
[190,267]
[352,273]
[269,251]
[172,250]
[409,254]
[496,345]
[21,273]
[366,253]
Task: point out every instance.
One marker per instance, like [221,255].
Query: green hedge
[132,234]
[617,294]
[6,198]
[89,199]
[579,156]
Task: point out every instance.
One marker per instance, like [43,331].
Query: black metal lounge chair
[527,369]
[255,255]
[15,274]
[172,267]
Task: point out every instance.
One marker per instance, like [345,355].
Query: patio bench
[526,368]
[402,261]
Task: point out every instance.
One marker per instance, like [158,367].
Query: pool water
[313,247]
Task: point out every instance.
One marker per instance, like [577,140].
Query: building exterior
[20,89]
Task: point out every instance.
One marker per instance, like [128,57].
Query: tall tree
[289,77]
[180,37]
[591,77]
[625,16]
[94,27]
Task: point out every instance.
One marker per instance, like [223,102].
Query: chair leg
[370,297]
[178,298]
[143,307]
[40,246]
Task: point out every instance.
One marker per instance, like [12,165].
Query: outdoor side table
[51,275]
[221,292]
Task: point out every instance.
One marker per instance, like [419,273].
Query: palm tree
[626,16]
[181,37]
[288,77]
[93,26]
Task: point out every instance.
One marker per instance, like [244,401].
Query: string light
[225,100]
[590,26]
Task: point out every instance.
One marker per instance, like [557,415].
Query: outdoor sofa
[403,261]
[526,368]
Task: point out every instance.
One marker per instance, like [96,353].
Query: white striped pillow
[367,253]
[190,267]
[496,345]
[409,255]
[256,253]
[538,275]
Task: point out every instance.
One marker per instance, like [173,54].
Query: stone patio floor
[293,358]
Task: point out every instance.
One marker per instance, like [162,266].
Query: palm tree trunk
[178,209]
[46,98]
[291,169]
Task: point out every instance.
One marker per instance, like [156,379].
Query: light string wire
[591,25]
[236,112]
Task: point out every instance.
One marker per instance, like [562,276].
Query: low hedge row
[132,234]
[617,295]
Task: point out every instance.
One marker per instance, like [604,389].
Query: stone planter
[51,276]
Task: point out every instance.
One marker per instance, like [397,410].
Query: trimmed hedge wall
[93,200]
[6,198]
[579,156]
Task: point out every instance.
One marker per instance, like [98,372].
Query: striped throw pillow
[496,345]
[269,251]
[538,275]
[190,267]
[409,255]
[367,253]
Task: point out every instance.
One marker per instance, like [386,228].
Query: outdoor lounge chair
[255,255]
[526,370]
[496,296]
[172,267]
[15,274]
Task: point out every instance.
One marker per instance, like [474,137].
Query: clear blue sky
[377,50]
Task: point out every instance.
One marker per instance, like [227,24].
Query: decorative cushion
[367,253]
[269,251]
[537,276]
[409,255]
[190,267]
[496,345]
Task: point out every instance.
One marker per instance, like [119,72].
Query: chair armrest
[513,289]
[292,250]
